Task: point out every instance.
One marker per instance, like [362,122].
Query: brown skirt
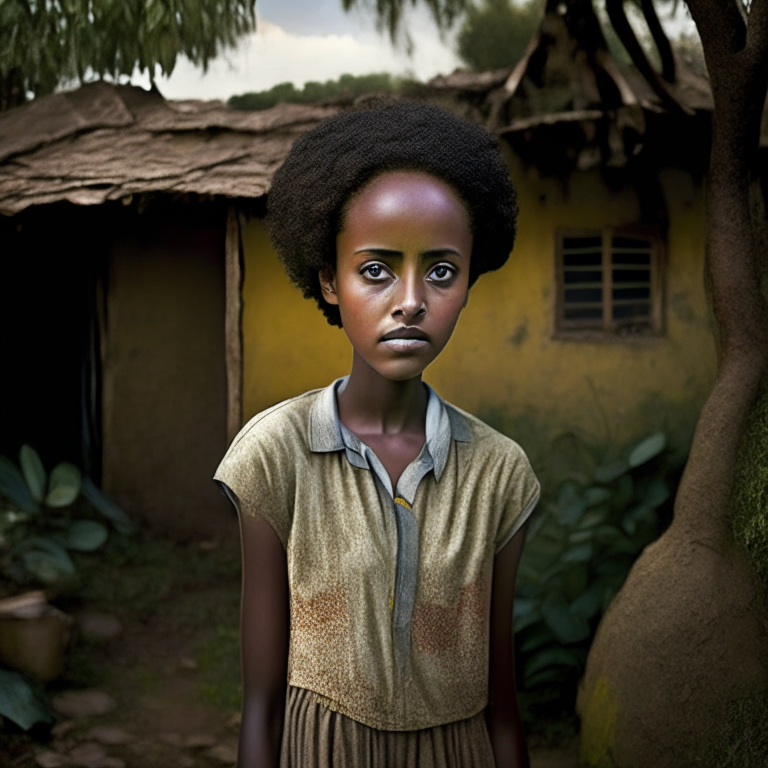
[316,737]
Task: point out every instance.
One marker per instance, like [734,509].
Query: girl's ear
[328,285]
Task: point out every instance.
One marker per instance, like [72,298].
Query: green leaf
[575,581]
[592,518]
[571,503]
[85,535]
[526,613]
[579,537]
[553,656]
[18,701]
[567,627]
[536,639]
[48,561]
[611,471]
[64,486]
[551,675]
[13,486]
[622,492]
[646,449]
[658,492]
[33,471]
[596,495]
[103,504]
[590,601]
[579,553]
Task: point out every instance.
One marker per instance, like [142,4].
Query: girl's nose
[410,301]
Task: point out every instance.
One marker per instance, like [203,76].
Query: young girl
[382,526]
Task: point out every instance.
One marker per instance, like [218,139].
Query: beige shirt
[390,588]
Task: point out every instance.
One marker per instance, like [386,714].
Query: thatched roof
[105,142]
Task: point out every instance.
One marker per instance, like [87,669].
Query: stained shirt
[389,587]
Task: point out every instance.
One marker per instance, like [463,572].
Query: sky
[300,40]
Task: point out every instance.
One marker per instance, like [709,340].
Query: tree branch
[757,32]
[618,17]
[661,40]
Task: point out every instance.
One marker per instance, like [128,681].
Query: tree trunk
[678,673]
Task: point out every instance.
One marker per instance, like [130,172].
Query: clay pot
[33,636]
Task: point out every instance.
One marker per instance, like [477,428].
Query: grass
[218,659]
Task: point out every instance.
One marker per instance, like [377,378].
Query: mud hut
[121,274]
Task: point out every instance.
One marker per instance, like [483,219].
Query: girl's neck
[373,404]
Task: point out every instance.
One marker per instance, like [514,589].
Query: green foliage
[18,701]
[45,43]
[389,13]
[34,541]
[749,505]
[604,510]
[495,33]
[347,86]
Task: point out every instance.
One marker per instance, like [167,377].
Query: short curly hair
[328,165]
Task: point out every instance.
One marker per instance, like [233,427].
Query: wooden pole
[233,324]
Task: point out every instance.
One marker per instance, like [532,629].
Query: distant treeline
[347,86]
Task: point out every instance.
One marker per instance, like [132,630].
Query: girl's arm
[264,632]
[502,715]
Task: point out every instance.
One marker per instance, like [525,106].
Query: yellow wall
[503,362]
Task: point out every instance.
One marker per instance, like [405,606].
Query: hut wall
[164,401]
[503,362]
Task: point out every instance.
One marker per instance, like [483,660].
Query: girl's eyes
[442,273]
[374,271]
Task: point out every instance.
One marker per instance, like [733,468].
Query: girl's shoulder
[283,425]
[482,438]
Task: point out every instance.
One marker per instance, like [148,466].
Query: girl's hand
[502,715]
[264,633]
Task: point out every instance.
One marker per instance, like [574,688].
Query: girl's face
[402,271]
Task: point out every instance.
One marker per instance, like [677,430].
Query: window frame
[609,330]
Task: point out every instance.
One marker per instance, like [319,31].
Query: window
[608,282]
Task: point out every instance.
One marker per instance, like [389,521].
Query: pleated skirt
[317,737]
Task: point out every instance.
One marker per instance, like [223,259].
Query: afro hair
[328,165]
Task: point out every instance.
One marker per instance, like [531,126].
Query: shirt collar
[327,433]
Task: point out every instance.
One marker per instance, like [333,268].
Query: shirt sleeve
[259,475]
[522,495]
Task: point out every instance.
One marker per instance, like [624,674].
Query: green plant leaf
[575,581]
[571,503]
[579,553]
[18,701]
[592,518]
[553,656]
[525,613]
[48,561]
[552,675]
[590,601]
[64,485]
[103,504]
[567,627]
[536,639]
[596,495]
[85,535]
[646,449]
[33,471]
[579,537]
[13,486]
[622,492]
[607,473]
[658,492]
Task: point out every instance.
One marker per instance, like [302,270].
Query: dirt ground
[152,676]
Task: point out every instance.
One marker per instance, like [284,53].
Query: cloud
[272,55]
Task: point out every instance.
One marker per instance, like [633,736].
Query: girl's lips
[405,345]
